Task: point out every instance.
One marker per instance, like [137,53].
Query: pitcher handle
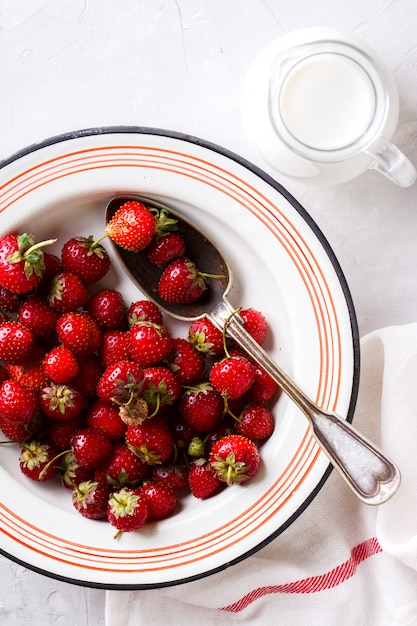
[392,163]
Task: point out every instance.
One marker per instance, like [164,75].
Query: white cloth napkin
[341,562]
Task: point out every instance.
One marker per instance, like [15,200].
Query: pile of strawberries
[99,394]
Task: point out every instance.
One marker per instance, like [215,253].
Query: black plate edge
[103,130]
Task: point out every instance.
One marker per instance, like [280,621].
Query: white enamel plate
[281,264]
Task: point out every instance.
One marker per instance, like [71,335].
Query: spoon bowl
[370,474]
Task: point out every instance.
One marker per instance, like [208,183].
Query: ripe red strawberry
[185,361]
[90,498]
[60,365]
[202,480]
[174,475]
[89,373]
[37,314]
[61,401]
[120,382]
[79,332]
[255,323]
[264,387]
[165,249]
[90,447]
[232,376]
[149,343]
[127,510]
[67,293]
[3,373]
[235,459]
[21,433]
[105,417]
[122,468]
[53,266]
[21,262]
[201,406]
[161,499]
[151,440]
[181,431]
[16,342]
[205,337]
[38,460]
[132,227]
[108,308]
[86,258]
[17,404]
[115,346]
[181,282]
[144,311]
[59,432]
[30,373]
[160,388]
[255,422]
[9,301]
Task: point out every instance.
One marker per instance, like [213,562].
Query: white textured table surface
[180,65]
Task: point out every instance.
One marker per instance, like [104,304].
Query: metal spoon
[369,473]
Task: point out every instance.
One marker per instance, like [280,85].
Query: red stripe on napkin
[313,584]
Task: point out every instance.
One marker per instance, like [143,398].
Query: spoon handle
[369,473]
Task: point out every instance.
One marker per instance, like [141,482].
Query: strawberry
[122,468]
[17,404]
[21,262]
[264,387]
[202,480]
[90,447]
[9,301]
[127,510]
[205,337]
[115,346]
[161,499]
[255,422]
[181,282]
[232,376]
[30,373]
[120,382]
[90,498]
[4,375]
[201,406]
[160,388]
[234,459]
[255,323]
[67,293]
[149,343]
[151,440]
[173,475]
[132,227]
[86,258]
[89,373]
[21,432]
[16,342]
[181,431]
[144,311]
[38,460]
[185,361]
[53,266]
[79,332]
[165,249]
[59,432]
[105,417]
[108,308]
[37,314]
[61,401]
[60,365]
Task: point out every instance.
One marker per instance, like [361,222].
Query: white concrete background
[180,65]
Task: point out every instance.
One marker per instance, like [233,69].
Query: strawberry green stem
[47,466]
[224,330]
[36,246]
